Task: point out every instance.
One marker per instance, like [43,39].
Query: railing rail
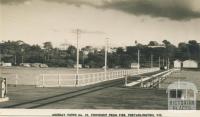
[69,80]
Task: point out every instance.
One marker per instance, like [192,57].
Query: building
[79,66]
[177,64]
[25,64]
[134,65]
[190,64]
[6,64]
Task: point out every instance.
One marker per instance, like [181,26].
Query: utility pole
[163,61]
[138,61]
[22,52]
[168,63]
[77,55]
[15,60]
[151,61]
[22,59]
[159,61]
[106,56]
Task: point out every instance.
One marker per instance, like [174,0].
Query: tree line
[17,52]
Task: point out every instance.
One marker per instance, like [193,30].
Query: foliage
[17,52]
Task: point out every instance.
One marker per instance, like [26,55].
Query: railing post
[16,79]
[43,80]
[59,83]
[126,76]
[77,78]
[159,81]
[36,81]
[142,85]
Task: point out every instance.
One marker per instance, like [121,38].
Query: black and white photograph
[99,55]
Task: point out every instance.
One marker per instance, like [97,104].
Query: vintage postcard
[99,58]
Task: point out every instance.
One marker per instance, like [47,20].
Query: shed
[79,66]
[190,64]
[6,64]
[177,64]
[134,65]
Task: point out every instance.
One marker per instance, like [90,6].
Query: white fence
[71,80]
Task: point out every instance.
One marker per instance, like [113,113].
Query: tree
[48,45]
[165,42]
[153,43]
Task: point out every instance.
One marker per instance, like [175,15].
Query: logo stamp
[182,96]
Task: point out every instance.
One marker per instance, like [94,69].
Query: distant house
[25,64]
[177,64]
[43,65]
[134,65]
[190,64]
[79,66]
[35,65]
[6,64]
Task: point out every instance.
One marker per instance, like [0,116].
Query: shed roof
[177,60]
[190,60]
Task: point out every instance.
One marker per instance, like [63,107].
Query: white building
[6,64]
[79,66]
[190,64]
[177,64]
[134,65]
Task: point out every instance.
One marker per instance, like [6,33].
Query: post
[59,80]
[138,61]
[159,61]
[163,61]
[142,85]
[43,80]
[16,78]
[15,60]
[168,63]
[36,81]
[159,81]
[22,59]
[151,61]
[126,76]
[77,57]
[106,52]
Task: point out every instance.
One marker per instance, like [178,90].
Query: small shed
[177,64]
[79,66]
[190,64]
[6,64]
[134,65]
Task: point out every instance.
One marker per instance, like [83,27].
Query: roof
[177,60]
[190,60]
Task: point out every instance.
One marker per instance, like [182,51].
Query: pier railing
[71,80]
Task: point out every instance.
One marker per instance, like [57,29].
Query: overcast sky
[123,21]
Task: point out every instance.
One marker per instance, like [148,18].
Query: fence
[20,79]
[70,80]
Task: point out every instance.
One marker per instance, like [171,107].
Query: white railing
[71,80]
[20,79]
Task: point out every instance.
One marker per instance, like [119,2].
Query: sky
[121,21]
